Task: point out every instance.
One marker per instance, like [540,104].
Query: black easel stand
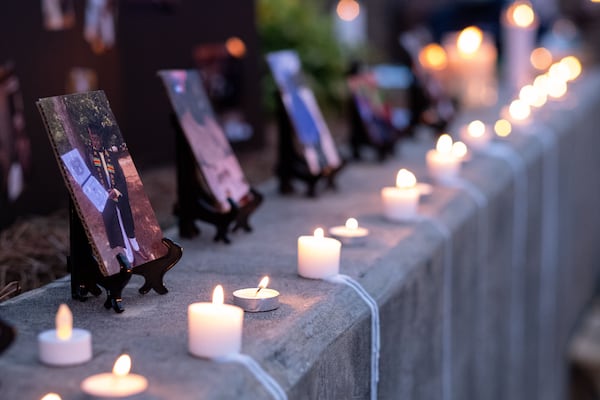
[194,203]
[359,136]
[291,165]
[86,276]
[7,335]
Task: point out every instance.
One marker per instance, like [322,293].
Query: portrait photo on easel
[102,179]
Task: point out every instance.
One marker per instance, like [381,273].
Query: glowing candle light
[64,345]
[519,110]
[348,10]
[400,202]
[573,65]
[476,136]
[442,164]
[350,234]
[541,58]
[503,128]
[257,299]
[433,56]
[318,256]
[469,41]
[519,29]
[51,396]
[118,383]
[214,329]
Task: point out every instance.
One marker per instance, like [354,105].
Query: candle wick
[257,290]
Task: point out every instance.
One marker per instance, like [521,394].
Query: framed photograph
[373,112]
[221,172]
[312,133]
[102,179]
[15,149]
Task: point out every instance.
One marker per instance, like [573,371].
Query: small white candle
[442,162]
[476,135]
[400,202]
[257,299]
[118,383]
[214,329]
[318,256]
[350,234]
[64,345]
[519,29]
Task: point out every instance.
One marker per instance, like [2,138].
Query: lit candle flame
[218,297]
[573,66]
[64,322]
[262,284]
[469,40]
[236,47]
[51,396]
[459,150]
[122,365]
[319,233]
[476,128]
[405,179]
[521,14]
[541,58]
[444,144]
[348,10]
[519,110]
[351,223]
[559,71]
[433,56]
[503,128]
[557,87]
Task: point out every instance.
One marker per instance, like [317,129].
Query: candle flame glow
[476,128]
[503,128]
[541,58]
[573,66]
[521,14]
[319,233]
[459,149]
[444,144]
[405,179]
[348,10]
[433,56]
[557,88]
[559,71]
[122,365]
[64,322]
[51,396]
[351,223]
[519,110]
[218,297]
[469,40]
[236,47]
[264,282]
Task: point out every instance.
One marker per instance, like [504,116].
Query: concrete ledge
[480,328]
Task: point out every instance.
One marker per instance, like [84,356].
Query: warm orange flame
[541,58]
[236,47]
[348,10]
[502,128]
[122,365]
[557,88]
[476,128]
[521,14]
[51,396]
[459,149]
[319,233]
[469,40]
[218,297]
[351,223]
[405,179]
[264,282]
[433,56]
[559,71]
[573,65]
[64,322]
[519,110]
[444,144]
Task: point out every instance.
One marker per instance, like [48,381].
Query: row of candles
[215,328]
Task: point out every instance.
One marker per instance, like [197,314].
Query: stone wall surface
[485,313]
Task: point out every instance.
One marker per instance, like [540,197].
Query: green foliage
[304,26]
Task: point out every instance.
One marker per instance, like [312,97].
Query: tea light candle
[476,135]
[350,234]
[215,329]
[64,345]
[118,383]
[257,299]
[400,202]
[442,162]
[318,256]
[51,396]
[519,29]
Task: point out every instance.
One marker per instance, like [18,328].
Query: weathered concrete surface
[508,324]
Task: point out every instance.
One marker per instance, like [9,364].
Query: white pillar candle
[442,162]
[350,234]
[318,256]
[476,135]
[519,30]
[115,384]
[64,345]
[400,202]
[471,58]
[215,329]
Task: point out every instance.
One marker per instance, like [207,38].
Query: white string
[375,325]
[265,379]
